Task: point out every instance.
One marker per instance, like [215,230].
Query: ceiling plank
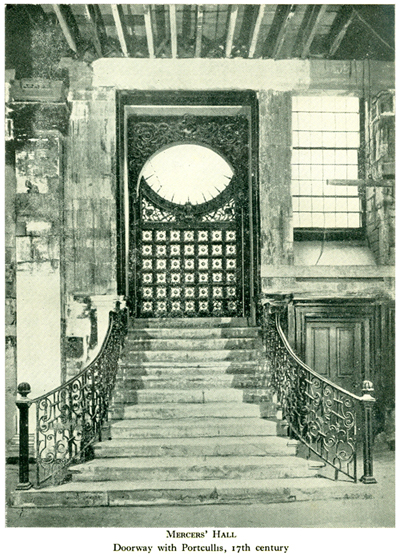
[172,22]
[341,32]
[256,30]
[68,30]
[149,31]
[231,30]
[319,12]
[186,22]
[308,29]
[93,15]
[118,16]
[199,30]
[277,33]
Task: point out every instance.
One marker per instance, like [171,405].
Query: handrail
[70,417]
[321,414]
[305,366]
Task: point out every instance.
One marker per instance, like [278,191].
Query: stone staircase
[180,430]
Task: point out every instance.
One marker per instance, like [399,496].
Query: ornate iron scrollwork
[320,414]
[70,418]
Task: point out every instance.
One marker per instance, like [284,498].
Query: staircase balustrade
[71,417]
[329,420]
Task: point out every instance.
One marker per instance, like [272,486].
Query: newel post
[367,402]
[23,404]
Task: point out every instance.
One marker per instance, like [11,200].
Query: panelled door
[188,177]
[334,349]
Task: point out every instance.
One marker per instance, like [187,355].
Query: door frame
[208,99]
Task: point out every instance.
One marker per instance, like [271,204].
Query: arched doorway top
[187,172]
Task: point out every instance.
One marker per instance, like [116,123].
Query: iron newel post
[23,404]
[367,402]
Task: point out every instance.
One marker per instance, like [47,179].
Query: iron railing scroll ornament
[326,418]
[70,418]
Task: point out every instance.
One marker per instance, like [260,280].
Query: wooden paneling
[333,349]
[361,344]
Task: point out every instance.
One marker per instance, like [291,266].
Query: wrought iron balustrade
[71,417]
[328,419]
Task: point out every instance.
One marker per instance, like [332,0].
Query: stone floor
[361,512]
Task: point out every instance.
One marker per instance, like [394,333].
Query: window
[326,141]
[187,173]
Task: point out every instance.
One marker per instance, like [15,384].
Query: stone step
[191,468]
[200,322]
[177,367]
[194,396]
[193,492]
[189,356]
[192,333]
[167,380]
[200,446]
[200,411]
[181,344]
[191,427]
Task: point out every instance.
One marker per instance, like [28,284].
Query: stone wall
[38,280]
[276,236]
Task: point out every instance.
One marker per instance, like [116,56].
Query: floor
[350,513]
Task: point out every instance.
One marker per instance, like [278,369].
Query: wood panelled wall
[376,321]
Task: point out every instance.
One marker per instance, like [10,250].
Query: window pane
[354,220]
[352,104]
[318,220]
[353,204]
[341,220]
[341,204]
[329,204]
[318,204]
[305,204]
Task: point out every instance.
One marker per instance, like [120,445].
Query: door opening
[187,234]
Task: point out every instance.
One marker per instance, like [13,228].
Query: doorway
[187,240]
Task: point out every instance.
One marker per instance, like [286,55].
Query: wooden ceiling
[276,31]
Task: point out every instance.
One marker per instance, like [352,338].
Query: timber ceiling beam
[256,31]
[309,26]
[96,24]
[118,16]
[149,30]
[278,30]
[186,22]
[339,34]
[68,26]
[199,30]
[172,23]
[231,30]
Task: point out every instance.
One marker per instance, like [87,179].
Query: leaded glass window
[325,159]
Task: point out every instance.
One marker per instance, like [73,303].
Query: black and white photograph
[199,243]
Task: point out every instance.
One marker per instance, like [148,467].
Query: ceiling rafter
[231,29]
[277,33]
[149,30]
[186,22]
[68,26]
[172,23]
[199,29]
[256,31]
[93,15]
[118,16]
[308,29]
[342,30]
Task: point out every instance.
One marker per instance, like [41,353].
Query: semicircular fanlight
[187,173]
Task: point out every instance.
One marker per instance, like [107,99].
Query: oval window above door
[187,173]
